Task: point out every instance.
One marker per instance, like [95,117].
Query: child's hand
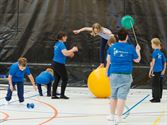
[75,49]
[35,88]
[11,88]
[151,75]
[76,31]
[163,72]
[138,48]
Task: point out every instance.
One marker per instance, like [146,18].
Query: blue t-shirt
[159,60]
[17,74]
[58,55]
[44,78]
[121,57]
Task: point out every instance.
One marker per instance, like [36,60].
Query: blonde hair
[156,42]
[96,26]
[22,61]
[50,70]
[111,40]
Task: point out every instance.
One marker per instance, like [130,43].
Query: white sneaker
[118,120]
[6,102]
[110,117]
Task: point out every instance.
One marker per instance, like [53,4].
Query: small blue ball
[32,105]
[28,105]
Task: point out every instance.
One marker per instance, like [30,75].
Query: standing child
[16,77]
[122,56]
[59,61]
[110,42]
[157,70]
[45,78]
[104,33]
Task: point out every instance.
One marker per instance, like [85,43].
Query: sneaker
[54,97]
[110,118]
[118,119]
[64,97]
[155,101]
[6,102]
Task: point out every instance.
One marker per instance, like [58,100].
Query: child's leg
[20,91]
[102,51]
[161,86]
[49,89]
[39,89]
[9,93]
[156,86]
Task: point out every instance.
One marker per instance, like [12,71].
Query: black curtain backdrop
[25,27]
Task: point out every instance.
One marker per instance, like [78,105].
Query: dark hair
[122,34]
[22,61]
[60,35]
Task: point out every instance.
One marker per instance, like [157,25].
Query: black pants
[60,72]
[102,50]
[157,86]
[48,89]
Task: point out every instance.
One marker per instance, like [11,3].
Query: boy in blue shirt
[16,77]
[157,70]
[45,78]
[58,65]
[122,55]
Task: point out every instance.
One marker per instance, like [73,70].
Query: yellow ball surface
[99,84]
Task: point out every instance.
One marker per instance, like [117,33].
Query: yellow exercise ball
[99,84]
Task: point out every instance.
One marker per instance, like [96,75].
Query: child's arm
[151,68]
[138,53]
[69,52]
[10,82]
[32,81]
[108,64]
[82,29]
[163,71]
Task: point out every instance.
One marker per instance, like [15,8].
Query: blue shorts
[120,84]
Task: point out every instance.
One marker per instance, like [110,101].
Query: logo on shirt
[159,56]
[119,53]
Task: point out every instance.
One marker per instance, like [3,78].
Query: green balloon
[127,22]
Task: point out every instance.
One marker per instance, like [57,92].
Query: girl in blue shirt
[157,70]
[58,65]
[104,33]
[45,78]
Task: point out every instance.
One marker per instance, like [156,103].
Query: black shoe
[48,95]
[64,97]
[152,100]
[54,97]
[41,94]
[155,100]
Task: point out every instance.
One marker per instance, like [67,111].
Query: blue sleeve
[134,54]
[12,70]
[62,46]
[27,70]
[154,55]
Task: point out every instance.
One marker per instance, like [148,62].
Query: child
[110,42]
[122,56]
[16,77]
[45,78]
[104,33]
[157,70]
[59,61]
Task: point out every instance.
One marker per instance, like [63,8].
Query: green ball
[127,22]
